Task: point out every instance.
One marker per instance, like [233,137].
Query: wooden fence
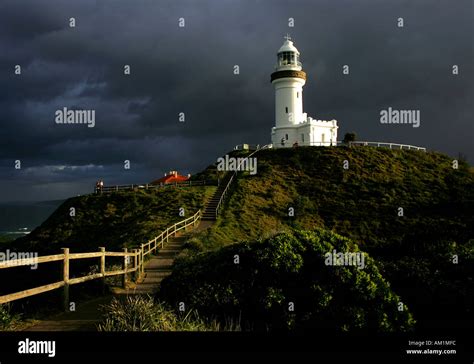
[137,268]
[149,186]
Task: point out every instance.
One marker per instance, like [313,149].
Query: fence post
[142,269]
[139,264]
[102,268]
[124,267]
[135,265]
[65,276]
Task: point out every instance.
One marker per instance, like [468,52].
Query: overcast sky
[190,69]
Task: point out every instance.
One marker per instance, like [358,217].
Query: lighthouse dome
[288,47]
[288,57]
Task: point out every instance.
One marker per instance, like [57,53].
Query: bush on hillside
[349,137]
[287,268]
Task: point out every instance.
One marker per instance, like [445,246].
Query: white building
[293,126]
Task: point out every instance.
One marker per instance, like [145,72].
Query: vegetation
[410,211]
[286,269]
[349,137]
[8,319]
[115,220]
[6,238]
[415,251]
[138,313]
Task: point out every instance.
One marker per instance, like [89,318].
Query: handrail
[386,144]
[138,256]
[226,189]
[361,143]
[149,186]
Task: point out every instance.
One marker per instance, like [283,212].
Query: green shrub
[349,137]
[284,269]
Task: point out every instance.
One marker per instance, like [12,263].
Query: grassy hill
[414,252]
[423,257]
[361,202]
[115,221]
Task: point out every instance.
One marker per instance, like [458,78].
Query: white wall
[288,93]
[312,131]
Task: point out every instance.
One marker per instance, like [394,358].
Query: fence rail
[387,145]
[137,267]
[355,143]
[149,186]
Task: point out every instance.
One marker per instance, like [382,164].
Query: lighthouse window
[298,95]
[286,136]
[302,138]
[287,58]
[286,109]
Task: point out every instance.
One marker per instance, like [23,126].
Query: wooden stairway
[209,213]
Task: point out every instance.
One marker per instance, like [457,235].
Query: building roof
[171,177]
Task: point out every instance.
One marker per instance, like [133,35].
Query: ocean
[20,218]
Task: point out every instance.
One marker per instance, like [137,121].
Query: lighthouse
[293,127]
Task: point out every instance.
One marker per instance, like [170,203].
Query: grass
[360,202]
[7,238]
[115,221]
[414,251]
[9,320]
[141,313]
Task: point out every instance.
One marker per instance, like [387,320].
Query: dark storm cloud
[190,70]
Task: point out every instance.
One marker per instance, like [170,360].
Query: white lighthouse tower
[292,126]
